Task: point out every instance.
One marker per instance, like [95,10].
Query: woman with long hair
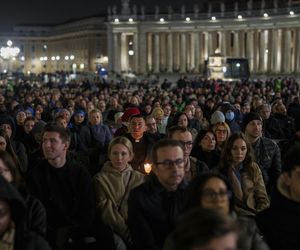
[238,165]
[222,132]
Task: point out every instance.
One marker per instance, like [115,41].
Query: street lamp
[9,52]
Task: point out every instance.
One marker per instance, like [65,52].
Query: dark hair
[11,165]
[291,159]
[226,155]
[64,134]
[162,144]
[172,130]
[196,186]
[174,120]
[29,118]
[137,116]
[201,134]
[200,226]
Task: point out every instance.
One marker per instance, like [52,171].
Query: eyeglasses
[169,164]
[211,195]
[221,131]
[186,143]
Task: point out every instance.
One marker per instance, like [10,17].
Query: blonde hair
[224,124]
[121,140]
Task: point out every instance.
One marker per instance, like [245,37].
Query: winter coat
[112,189]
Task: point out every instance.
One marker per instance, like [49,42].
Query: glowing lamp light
[238,65]
[266,15]
[188,19]
[57,58]
[53,58]
[161,20]
[72,57]
[116,20]
[81,66]
[240,17]
[131,52]
[66,58]
[130,20]
[147,168]
[213,18]
[292,13]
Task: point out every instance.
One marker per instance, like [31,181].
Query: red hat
[128,113]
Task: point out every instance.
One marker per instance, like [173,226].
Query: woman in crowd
[181,119]
[113,184]
[213,191]
[222,132]
[35,214]
[244,174]
[204,148]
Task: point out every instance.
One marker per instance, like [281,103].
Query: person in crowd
[280,222]
[8,126]
[238,165]
[267,152]
[152,128]
[222,132]
[202,229]
[212,190]
[35,216]
[13,234]
[271,128]
[113,184]
[190,112]
[95,137]
[230,114]
[204,148]
[158,114]
[19,122]
[165,119]
[181,119]
[125,120]
[193,167]
[154,206]
[142,142]
[65,189]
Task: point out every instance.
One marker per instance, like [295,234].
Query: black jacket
[280,223]
[24,239]
[152,213]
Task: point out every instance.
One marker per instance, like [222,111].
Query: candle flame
[147,168]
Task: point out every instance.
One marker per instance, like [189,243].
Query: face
[239,151]
[169,176]
[78,118]
[95,118]
[120,156]
[183,121]
[21,117]
[186,139]
[215,195]
[7,129]
[28,126]
[3,143]
[151,125]
[208,143]
[5,216]
[292,180]
[53,146]
[221,133]
[226,242]
[62,122]
[137,127]
[254,129]
[5,172]
[167,110]
[265,112]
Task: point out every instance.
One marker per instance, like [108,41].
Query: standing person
[267,153]
[244,175]
[154,206]
[65,189]
[280,222]
[193,166]
[113,184]
[95,137]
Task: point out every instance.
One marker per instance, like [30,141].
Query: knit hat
[157,112]
[128,113]
[217,117]
[248,118]
[79,112]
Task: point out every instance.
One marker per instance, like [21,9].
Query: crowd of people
[147,165]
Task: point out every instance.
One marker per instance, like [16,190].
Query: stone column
[142,55]
[182,52]
[192,51]
[110,49]
[287,51]
[262,49]
[223,43]
[156,53]
[176,51]
[170,52]
[124,52]
[162,52]
[116,53]
[149,52]
[297,54]
[250,51]
[197,52]
[236,44]
[136,55]
[209,44]
[279,64]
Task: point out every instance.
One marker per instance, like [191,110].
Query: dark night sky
[57,11]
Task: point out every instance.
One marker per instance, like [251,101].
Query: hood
[9,193]
[7,119]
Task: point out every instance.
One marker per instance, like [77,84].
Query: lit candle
[147,168]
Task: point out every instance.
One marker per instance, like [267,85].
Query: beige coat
[110,186]
[251,195]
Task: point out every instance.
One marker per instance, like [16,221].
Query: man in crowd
[266,151]
[192,166]
[152,128]
[280,222]
[154,206]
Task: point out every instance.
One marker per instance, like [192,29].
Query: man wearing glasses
[192,166]
[154,206]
